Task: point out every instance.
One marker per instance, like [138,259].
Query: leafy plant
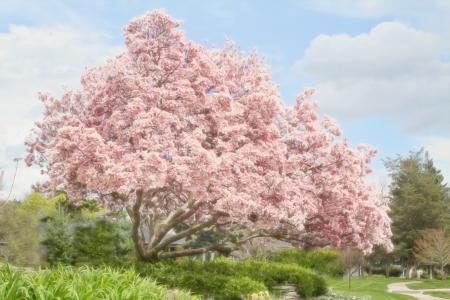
[80,283]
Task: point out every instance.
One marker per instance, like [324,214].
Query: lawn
[430,284]
[445,295]
[373,288]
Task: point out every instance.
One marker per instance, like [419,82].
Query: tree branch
[185,233]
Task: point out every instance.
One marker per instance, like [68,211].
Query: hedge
[324,261]
[394,270]
[213,278]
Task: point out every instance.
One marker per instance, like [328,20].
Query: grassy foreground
[372,287]
[81,283]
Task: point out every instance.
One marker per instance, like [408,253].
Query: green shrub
[217,286]
[200,281]
[87,241]
[394,270]
[79,283]
[271,273]
[237,286]
[324,261]
[101,241]
[59,241]
[212,277]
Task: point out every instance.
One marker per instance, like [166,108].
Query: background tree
[350,258]
[433,249]
[177,133]
[59,241]
[380,258]
[419,201]
[19,229]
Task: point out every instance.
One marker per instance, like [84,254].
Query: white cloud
[439,149]
[34,59]
[393,71]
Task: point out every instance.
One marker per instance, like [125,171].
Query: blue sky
[380,67]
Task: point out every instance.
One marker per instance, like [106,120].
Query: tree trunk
[349,278]
[154,246]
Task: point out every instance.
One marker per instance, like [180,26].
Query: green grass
[445,295]
[373,288]
[430,284]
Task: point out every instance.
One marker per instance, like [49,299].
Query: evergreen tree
[419,200]
[60,241]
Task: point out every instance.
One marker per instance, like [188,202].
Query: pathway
[402,288]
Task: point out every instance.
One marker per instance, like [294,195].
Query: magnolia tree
[177,133]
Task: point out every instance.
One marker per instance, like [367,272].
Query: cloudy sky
[381,67]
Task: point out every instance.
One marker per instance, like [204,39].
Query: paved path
[401,288]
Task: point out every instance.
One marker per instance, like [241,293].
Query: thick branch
[136,217]
[161,230]
[185,233]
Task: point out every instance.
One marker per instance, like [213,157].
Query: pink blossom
[203,133]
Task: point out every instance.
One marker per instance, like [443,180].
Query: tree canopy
[177,133]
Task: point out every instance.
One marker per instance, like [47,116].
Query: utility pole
[16,160]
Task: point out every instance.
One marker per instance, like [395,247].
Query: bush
[322,261]
[87,241]
[394,270]
[79,283]
[201,281]
[218,286]
[59,242]
[212,278]
[271,273]
[101,241]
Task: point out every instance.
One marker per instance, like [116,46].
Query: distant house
[172,247]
